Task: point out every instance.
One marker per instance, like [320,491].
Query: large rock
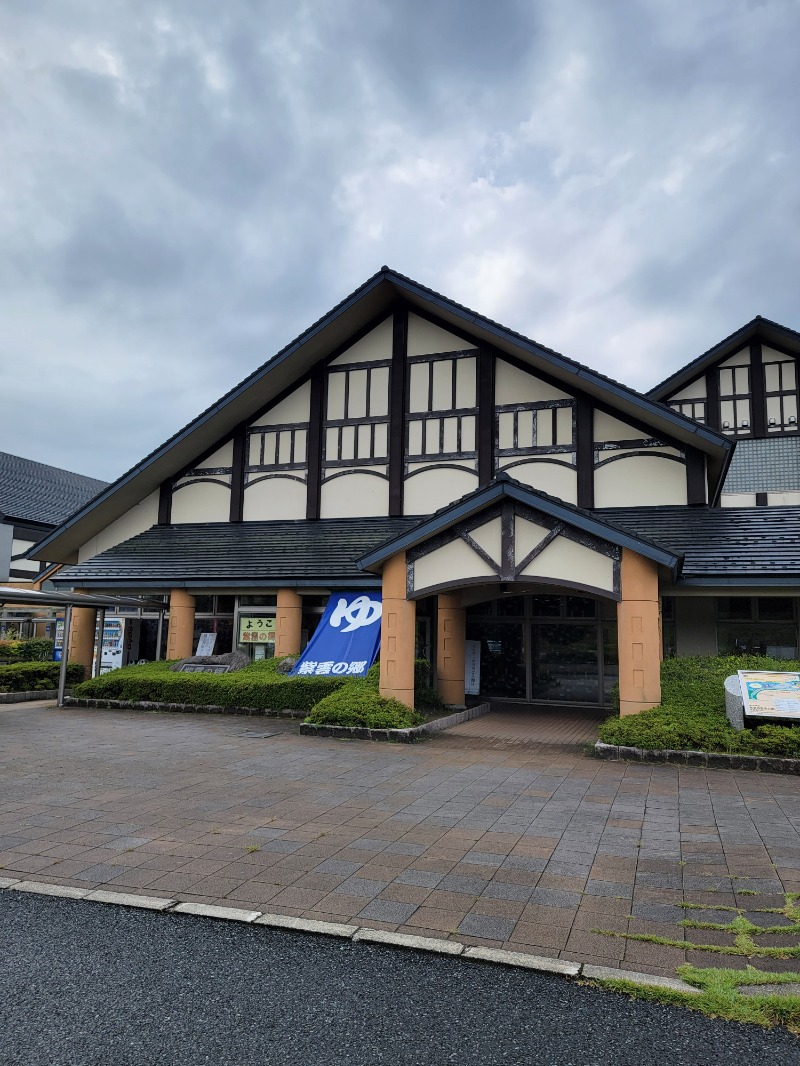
[233,659]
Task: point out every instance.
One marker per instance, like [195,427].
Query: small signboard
[771,694]
[204,668]
[472,664]
[205,645]
[256,629]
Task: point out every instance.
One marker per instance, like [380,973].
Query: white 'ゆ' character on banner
[361,612]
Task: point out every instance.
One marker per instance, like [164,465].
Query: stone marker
[734,704]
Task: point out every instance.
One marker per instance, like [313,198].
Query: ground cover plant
[692,712]
[36,676]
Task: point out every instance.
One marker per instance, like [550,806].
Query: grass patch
[720,997]
[692,713]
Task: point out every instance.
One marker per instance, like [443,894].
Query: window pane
[510,607]
[780,609]
[580,607]
[546,606]
[734,608]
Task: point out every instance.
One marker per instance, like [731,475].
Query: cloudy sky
[185,186]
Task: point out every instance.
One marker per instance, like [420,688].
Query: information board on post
[771,694]
[472,667]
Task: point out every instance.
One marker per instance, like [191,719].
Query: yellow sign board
[256,629]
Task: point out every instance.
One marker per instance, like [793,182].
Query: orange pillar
[288,622]
[451,632]
[398,633]
[639,635]
[180,635]
[82,636]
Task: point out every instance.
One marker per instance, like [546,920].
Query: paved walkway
[567,728]
[522,846]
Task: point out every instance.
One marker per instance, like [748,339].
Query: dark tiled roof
[210,554]
[732,543]
[35,492]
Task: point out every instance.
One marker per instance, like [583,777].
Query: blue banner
[347,639]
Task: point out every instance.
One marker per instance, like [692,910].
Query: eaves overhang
[478,501]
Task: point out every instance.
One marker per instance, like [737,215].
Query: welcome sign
[347,639]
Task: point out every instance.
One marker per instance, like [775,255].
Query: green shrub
[26,651]
[37,676]
[692,712]
[258,685]
[358,704]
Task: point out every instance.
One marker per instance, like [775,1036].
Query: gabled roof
[758,329]
[375,298]
[506,487]
[41,494]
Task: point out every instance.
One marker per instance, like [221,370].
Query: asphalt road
[82,983]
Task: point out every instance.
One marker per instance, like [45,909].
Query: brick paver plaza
[499,842]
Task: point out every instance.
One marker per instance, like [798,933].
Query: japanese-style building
[499,495]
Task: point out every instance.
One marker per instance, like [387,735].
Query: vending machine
[120,643]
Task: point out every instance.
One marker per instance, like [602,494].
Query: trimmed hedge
[692,713]
[358,704]
[26,651]
[33,677]
[258,685]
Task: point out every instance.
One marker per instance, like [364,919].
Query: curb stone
[210,910]
[561,967]
[128,899]
[406,940]
[608,973]
[307,925]
[712,760]
[527,962]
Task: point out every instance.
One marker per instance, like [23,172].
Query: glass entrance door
[565,664]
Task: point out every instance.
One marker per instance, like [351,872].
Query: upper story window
[442,418]
[357,414]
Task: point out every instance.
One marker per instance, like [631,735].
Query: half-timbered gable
[746,388]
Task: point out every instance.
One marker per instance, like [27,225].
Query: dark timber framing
[314,451]
[485,374]
[695,478]
[240,442]
[758,407]
[397,399]
[584,450]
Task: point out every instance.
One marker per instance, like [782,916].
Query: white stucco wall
[274,498]
[294,408]
[136,520]
[450,564]
[512,385]
[640,481]
[565,561]
[357,495]
[202,501]
[424,338]
[553,478]
[428,490]
[376,346]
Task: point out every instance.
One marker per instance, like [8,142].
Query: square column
[180,635]
[639,635]
[398,633]
[288,623]
[82,638]
[451,631]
